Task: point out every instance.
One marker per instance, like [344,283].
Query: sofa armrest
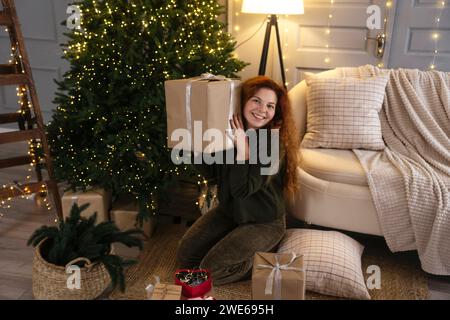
[297,96]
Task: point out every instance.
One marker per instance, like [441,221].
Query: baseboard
[6,130]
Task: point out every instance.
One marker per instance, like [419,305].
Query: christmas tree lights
[109,128]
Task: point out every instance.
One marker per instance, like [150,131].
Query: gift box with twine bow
[164,291]
[278,276]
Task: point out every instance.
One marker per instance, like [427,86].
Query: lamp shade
[273,6]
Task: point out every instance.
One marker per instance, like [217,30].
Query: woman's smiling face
[260,108]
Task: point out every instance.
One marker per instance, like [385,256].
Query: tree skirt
[402,278]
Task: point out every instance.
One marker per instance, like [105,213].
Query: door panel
[413,44]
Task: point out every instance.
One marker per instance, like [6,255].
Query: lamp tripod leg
[280,54]
[265,50]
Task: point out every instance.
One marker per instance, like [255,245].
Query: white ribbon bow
[274,278]
[151,287]
[209,76]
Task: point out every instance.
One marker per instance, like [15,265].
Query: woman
[250,216]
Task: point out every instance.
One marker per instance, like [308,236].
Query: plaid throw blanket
[413,206]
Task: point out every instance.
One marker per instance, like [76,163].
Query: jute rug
[402,278]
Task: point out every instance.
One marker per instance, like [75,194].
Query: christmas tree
[109,128]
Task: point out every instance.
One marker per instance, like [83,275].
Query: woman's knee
[224,272]
[185,256]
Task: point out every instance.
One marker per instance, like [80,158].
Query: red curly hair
[282,120]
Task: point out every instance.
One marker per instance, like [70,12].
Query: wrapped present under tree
[98,198]
[124,214]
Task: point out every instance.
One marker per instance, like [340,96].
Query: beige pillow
[343,112]
[332,261]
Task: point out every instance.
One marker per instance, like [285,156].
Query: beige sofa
[333,186]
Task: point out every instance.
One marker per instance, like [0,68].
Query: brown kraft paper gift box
[292,282]
[166,292]
[212,102]
[124,213]
[99,201]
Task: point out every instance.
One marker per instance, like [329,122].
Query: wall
[41,26]
[43,33]
[409,29]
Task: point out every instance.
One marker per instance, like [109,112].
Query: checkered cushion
[343,112]
[332,261]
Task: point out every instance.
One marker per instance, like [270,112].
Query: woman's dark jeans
[216,243]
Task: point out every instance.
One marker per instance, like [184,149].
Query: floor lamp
[272,7]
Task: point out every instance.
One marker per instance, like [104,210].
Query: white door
[413,43]
[315,41]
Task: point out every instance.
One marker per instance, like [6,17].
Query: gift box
[278,276]
[198,104]
[163,291]
[99,201]
[194,282]
[124,213]
[203,298]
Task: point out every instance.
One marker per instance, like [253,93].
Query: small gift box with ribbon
[195,282]
[278,276]
[99,201]
[198,104]
[163,291]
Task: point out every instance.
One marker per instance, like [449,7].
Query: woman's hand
[240,138]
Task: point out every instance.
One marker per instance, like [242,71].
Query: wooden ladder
[29,117]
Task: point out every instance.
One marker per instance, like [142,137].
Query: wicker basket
[50,281]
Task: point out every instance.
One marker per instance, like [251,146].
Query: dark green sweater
[245,194]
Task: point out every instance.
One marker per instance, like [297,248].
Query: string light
[387,12]
[285,40]
[327,59]
[16,188]
[441,5]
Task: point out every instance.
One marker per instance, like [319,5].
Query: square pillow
[343,112]
[332,261]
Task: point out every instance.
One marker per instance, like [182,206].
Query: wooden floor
[25,216]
